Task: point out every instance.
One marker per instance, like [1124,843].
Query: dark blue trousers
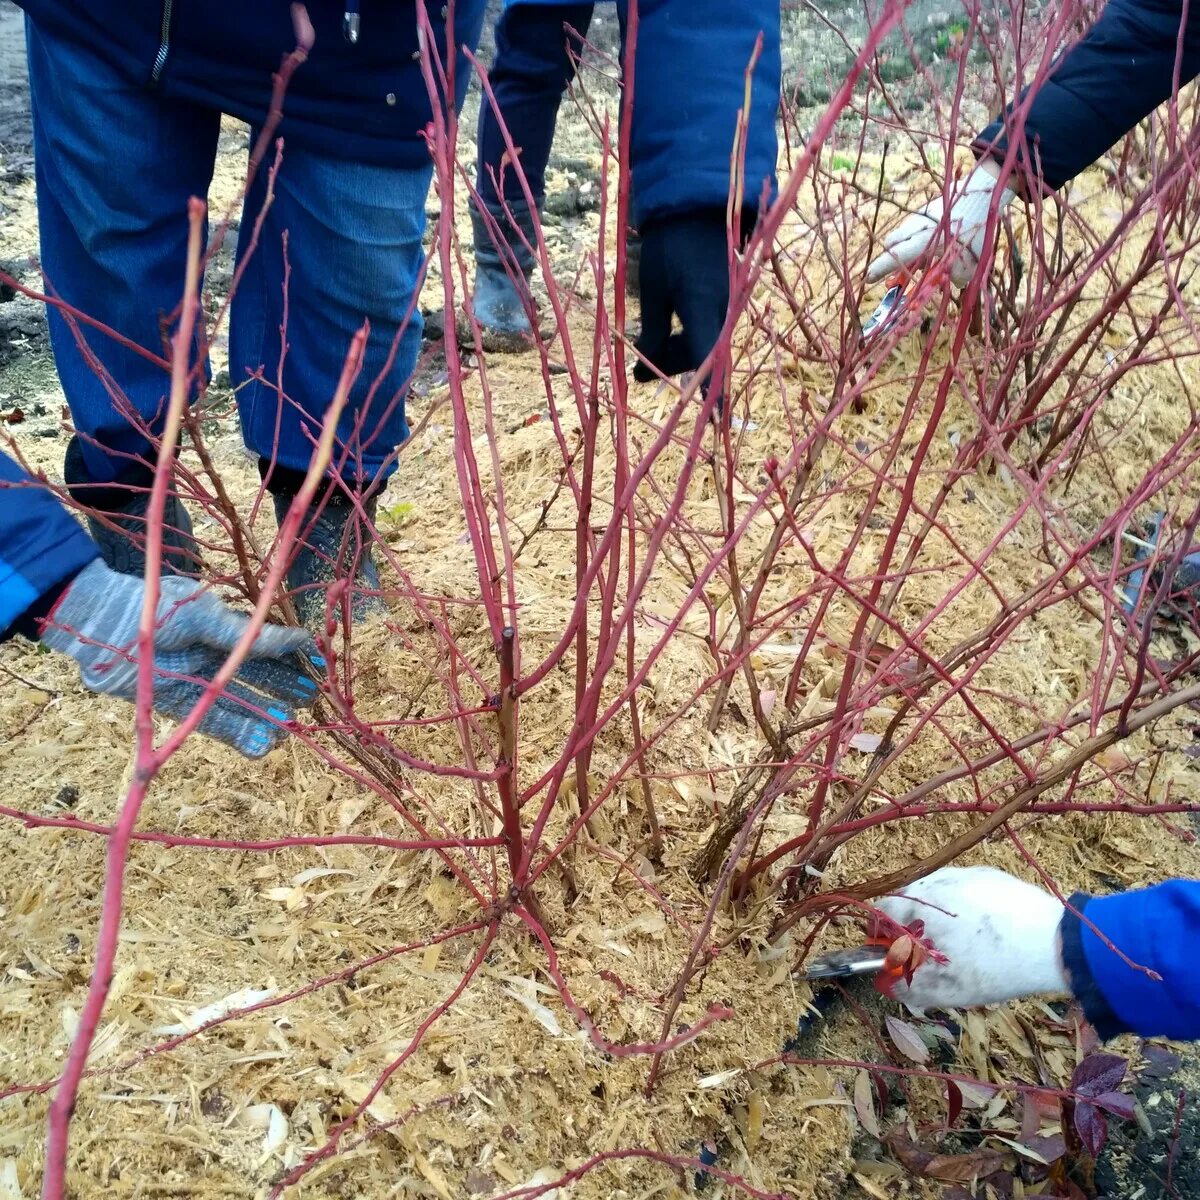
[533,67]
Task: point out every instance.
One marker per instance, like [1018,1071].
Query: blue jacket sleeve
[689,83]
[1117,73]
[41,544]
[1157,928]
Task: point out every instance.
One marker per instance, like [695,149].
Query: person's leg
[115,167]
[341,244]
[533,67]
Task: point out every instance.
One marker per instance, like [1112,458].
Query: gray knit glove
[96,623]
[923,235]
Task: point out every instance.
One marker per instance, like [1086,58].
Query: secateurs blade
[887,310]
[841,964]
[902,289]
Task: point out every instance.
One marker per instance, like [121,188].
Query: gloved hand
[923,234]
[684,270]
[999,934]
[96,623]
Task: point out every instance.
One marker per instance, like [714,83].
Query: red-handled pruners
[903,288]
[889,959]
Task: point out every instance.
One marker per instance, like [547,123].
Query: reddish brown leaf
[1031,1120]
[1051,1148]
[1069,1132]
[1092,1127]
[899,952]
[1048,1105]
[962,1168]
[911,1156]
[1116,1103]
[1160,1063]
[478,1183]
[879,653]
[1087,1039]
[904,956]
[953,1101]
[1098,1073]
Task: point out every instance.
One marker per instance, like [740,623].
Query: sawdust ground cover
[504,1090]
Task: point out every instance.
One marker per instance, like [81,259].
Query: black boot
[117,520]
[330,540]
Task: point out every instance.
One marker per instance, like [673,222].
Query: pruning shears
[1186,579]
[1146,547]
[902,289]
[888,959]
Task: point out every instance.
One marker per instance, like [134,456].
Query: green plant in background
[399,513]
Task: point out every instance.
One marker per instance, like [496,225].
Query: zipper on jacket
[164,44]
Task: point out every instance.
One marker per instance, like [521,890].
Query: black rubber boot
[331,539]
[117,520]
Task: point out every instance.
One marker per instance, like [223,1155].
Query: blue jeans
[116,164]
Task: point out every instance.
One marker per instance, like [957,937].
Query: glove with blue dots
[96,623]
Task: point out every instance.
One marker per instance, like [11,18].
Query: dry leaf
[316,873]
[907,1040]
[719,1079]
[381,1108]
[864,1103]
[351,809]
[868,743]
[755,1113]
[10,1183]
[269,1117]
[544,1017]
[291,897]
[1023,1150]
[962,1168]
[541,1177]
[218,1008]
[872,1189]
[976,1094]
[433,1176]
[1113,759]
[277,1130]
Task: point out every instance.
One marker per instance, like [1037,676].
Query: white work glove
[923,234]
[998,933]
